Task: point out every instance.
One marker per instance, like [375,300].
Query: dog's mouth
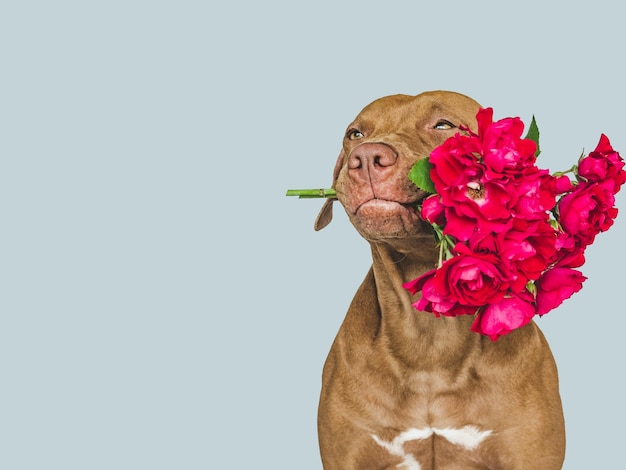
[386,205]
[379,218]
[392,205]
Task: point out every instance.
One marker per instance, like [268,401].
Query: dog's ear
[326,214]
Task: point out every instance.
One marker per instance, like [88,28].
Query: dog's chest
[433,448]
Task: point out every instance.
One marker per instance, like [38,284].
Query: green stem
[312,193]
[440,254]
[573,169]
[443,241]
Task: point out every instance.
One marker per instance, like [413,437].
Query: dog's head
[379,148]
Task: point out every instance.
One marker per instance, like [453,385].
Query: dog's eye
[444,125]
[354,134]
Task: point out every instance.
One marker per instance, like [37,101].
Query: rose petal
[555,286]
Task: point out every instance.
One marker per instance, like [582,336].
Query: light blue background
[163,304]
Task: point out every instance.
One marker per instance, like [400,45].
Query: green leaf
[420,175]
[533,134]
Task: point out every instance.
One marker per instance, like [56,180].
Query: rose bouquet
[510,234]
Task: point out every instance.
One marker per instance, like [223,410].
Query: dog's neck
[419,340]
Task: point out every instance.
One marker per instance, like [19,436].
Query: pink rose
[454,162]
[588,210]
[457,175]
[468,279]
[461,215]
[432,210]
[503,148]
[527,249]
[603,164]
[514,252]
[484,201]
[563,184]
[503,317]
[570,252]
[433,301]
[458,225]
[537,192]
[555,286]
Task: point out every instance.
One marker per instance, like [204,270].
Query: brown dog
[404,389]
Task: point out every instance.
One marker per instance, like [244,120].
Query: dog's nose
[371,161]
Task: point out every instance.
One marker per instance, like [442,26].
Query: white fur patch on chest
[468,437]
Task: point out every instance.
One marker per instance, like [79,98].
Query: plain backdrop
[163,305]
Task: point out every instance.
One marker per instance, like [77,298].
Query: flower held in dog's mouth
[510,234]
